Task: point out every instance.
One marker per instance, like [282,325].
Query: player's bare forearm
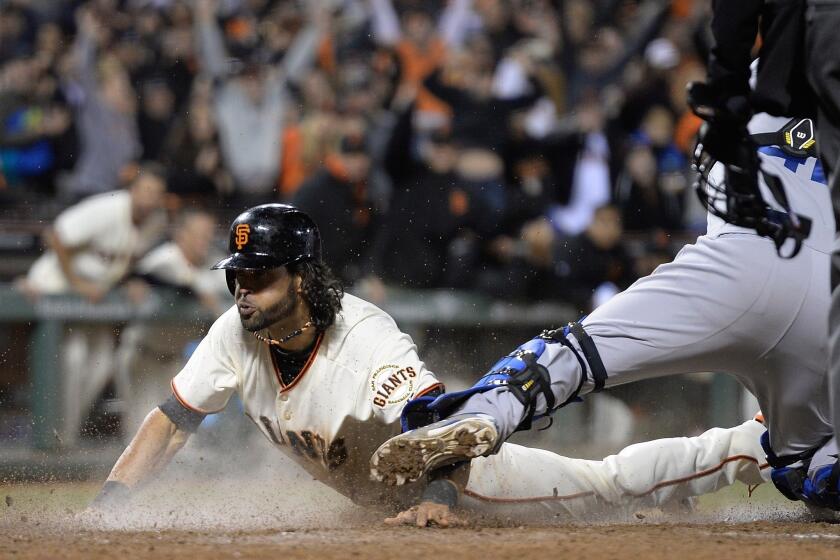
[154,445]
[157,440]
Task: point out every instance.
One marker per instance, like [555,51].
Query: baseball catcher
[726,303]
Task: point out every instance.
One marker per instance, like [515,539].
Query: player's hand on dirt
[428,514]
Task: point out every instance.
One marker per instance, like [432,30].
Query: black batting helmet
[270,236]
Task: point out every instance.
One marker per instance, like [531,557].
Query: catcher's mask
[734,195]
[270,236]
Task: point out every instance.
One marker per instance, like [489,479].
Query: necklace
[297,332]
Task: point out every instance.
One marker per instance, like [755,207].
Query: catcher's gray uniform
[727,303]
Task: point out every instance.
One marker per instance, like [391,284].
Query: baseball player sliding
[325,377]
[727,303]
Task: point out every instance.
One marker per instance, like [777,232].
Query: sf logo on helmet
[241,238]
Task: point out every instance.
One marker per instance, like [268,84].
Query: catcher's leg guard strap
[590,352]
[527,384]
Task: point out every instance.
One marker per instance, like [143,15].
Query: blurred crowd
[513,147]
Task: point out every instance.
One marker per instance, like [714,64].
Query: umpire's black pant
[822,50]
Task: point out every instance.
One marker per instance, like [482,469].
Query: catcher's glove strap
[185,419]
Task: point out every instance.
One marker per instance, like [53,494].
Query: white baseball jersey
[104,239]
[344,403]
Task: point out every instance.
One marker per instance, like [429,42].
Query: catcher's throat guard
[738,199]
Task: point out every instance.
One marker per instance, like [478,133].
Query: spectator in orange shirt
[421,49]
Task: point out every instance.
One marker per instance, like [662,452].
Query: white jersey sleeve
[395,373]
[209,378]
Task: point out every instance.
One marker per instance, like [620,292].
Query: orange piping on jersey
[701,474]
[477,496]
[590,493]
[185,404]
[304,369]
[429,389]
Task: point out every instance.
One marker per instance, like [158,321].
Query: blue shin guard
[520,373]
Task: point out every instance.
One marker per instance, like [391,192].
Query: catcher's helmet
[270,236]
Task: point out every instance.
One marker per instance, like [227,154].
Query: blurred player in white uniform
[182,261]
[147,355]
[91,249]
[325,377]
[727,303]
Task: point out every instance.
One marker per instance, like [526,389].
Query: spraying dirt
[254,503]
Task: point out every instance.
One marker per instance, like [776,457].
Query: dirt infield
[41,521]
[278,512]
[761,540]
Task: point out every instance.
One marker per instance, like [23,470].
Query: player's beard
[283,309]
